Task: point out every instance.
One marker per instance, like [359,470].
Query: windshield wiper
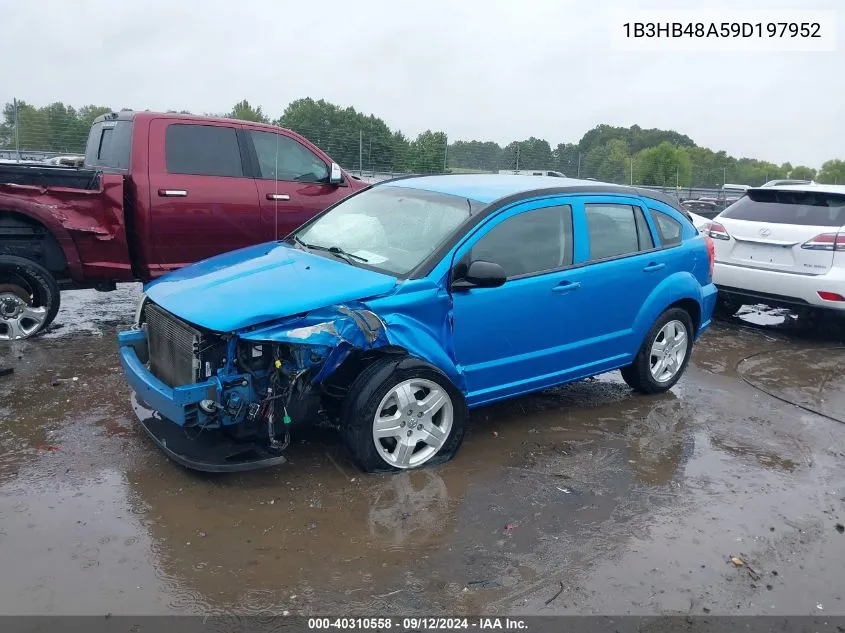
[334,250]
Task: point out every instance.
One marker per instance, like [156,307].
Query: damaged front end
[226,402]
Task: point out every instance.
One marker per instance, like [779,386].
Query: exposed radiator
[174,347]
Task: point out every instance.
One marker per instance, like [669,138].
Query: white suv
[782,245]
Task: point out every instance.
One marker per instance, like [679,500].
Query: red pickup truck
[156,192]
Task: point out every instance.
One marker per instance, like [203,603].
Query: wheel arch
[682,290]
[23,235]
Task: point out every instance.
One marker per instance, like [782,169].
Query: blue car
[397,310]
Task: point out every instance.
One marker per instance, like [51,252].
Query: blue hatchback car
[395,311]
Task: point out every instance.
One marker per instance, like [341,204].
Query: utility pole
[361,153]
[517,157]
[445,152]
[579,164]
[17,130]
[632,171]
[677,177]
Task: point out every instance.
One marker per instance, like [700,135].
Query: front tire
[664,354]
[29,298]
[403,413]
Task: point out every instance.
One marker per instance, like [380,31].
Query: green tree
[353,139]
[566,159]
[800,172]
[832,172]
[635,137]
[616,164]
[664,166]
[427,154]
[532,153]
[484,155]
[245,112]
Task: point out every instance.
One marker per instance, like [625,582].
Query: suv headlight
[139,312]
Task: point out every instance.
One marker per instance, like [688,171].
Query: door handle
[172,193]
[654,267]
[278,197]
[566,286]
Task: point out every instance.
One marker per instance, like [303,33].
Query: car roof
[488,188]
[821,188]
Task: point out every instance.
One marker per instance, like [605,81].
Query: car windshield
[388,228]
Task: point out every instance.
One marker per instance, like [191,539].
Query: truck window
[282,158]
[108,145]
[202,150]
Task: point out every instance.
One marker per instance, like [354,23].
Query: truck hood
[261,283]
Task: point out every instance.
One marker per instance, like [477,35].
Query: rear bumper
[170,416]
[776,287]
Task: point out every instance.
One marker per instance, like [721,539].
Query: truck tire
[29,298]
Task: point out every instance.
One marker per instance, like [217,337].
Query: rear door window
[203,150]
[803,208]
[616,230]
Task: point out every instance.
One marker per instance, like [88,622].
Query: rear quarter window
[668,228]
[804,208]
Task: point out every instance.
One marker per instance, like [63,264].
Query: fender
[676,287]
[41,212]
[88,224]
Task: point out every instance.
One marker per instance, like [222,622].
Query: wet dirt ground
[611,502]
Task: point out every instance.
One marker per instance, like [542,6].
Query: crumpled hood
[260,283]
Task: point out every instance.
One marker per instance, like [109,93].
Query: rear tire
[375,433]
[654,371]
[29,298]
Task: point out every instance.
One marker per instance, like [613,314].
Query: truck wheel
[403,413]
[29,298]
[664,354]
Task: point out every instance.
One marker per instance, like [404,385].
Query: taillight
[711,253]
[718,232]
[826,242]
[830,296]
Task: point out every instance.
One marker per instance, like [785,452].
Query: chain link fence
[367,147]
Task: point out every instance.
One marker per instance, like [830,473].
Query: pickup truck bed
[49,176]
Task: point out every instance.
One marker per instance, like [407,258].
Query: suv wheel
[664,354]
[403,413]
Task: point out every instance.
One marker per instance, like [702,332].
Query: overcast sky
[476,69]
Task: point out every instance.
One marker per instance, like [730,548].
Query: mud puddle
[628,504]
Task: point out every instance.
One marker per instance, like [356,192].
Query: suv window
[282,158]
[668,228]
[616,229]
[532,242]
[804,208]
[203,150]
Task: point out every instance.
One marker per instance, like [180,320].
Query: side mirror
[336,176]
[481,274]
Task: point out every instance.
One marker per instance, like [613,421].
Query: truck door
[291,179]
[202,200]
